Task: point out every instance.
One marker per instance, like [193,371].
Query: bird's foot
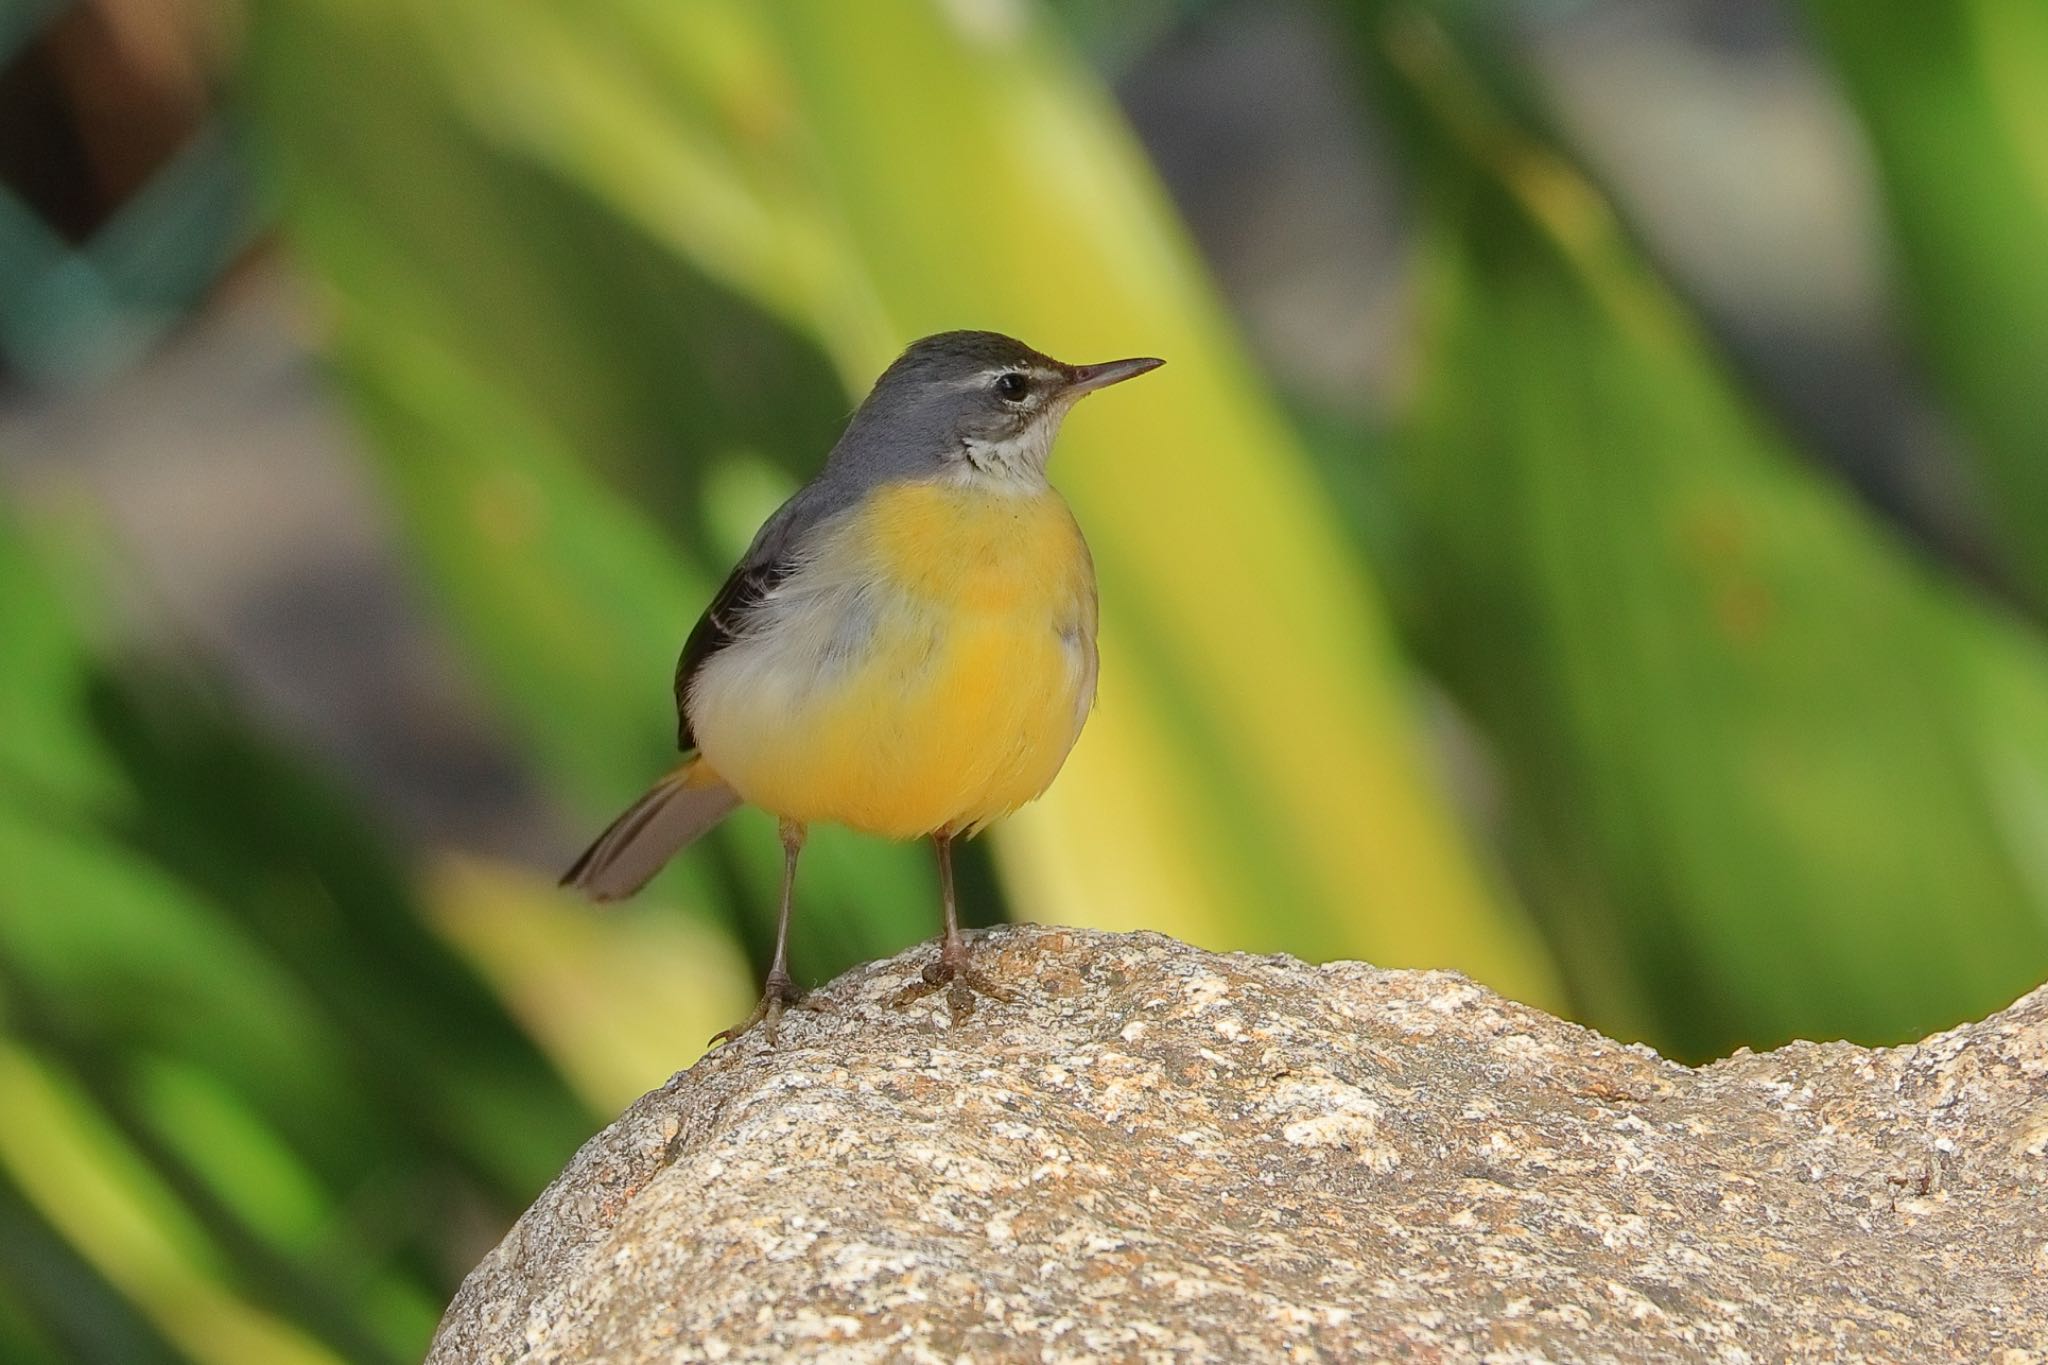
[776,993]
[957,977]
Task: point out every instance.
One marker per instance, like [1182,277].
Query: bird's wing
[772,557]
[744,589]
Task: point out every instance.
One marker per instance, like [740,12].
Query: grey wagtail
[907,648]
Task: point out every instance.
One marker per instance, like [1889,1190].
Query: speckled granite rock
[1161,1153]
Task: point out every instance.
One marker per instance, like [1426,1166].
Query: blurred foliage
[602,282]
[1954,96]
[538,376]
[1771,777]
[243,1080]
[1253,743]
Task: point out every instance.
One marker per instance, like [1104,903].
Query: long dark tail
[673,813]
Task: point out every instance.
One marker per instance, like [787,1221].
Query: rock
[1161,1153]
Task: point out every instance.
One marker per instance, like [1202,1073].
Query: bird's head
[979,405]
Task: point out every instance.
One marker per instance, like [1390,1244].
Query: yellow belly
[928,668]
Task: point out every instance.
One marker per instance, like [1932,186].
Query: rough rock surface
[1161,1153]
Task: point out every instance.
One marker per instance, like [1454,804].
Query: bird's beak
[1089,378]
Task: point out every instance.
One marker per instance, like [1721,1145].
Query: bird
[907,648]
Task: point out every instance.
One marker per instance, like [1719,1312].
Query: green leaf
[121,1218]
[55,1308]
[45,669]
[221,959]
[1954,95]
[1772,776]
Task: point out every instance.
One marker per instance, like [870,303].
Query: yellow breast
[928,668]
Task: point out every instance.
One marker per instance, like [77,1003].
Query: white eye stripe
[1035,376]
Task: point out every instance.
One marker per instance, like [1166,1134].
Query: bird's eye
[1012,386]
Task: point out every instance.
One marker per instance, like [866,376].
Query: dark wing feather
[718,627]
[774,555]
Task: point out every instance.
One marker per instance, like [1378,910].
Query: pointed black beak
[1089,378]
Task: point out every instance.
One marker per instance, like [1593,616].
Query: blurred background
[1589,535]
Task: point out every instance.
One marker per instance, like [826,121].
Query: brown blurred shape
[99,98]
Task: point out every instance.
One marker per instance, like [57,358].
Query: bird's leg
[777,990]
[953,970]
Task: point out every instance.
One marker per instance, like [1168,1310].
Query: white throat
[1015,464]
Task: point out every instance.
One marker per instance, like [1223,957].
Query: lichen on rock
[1157,1152]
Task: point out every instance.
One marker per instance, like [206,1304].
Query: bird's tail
[673,813]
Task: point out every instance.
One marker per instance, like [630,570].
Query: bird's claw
[961,982]
[777,993]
